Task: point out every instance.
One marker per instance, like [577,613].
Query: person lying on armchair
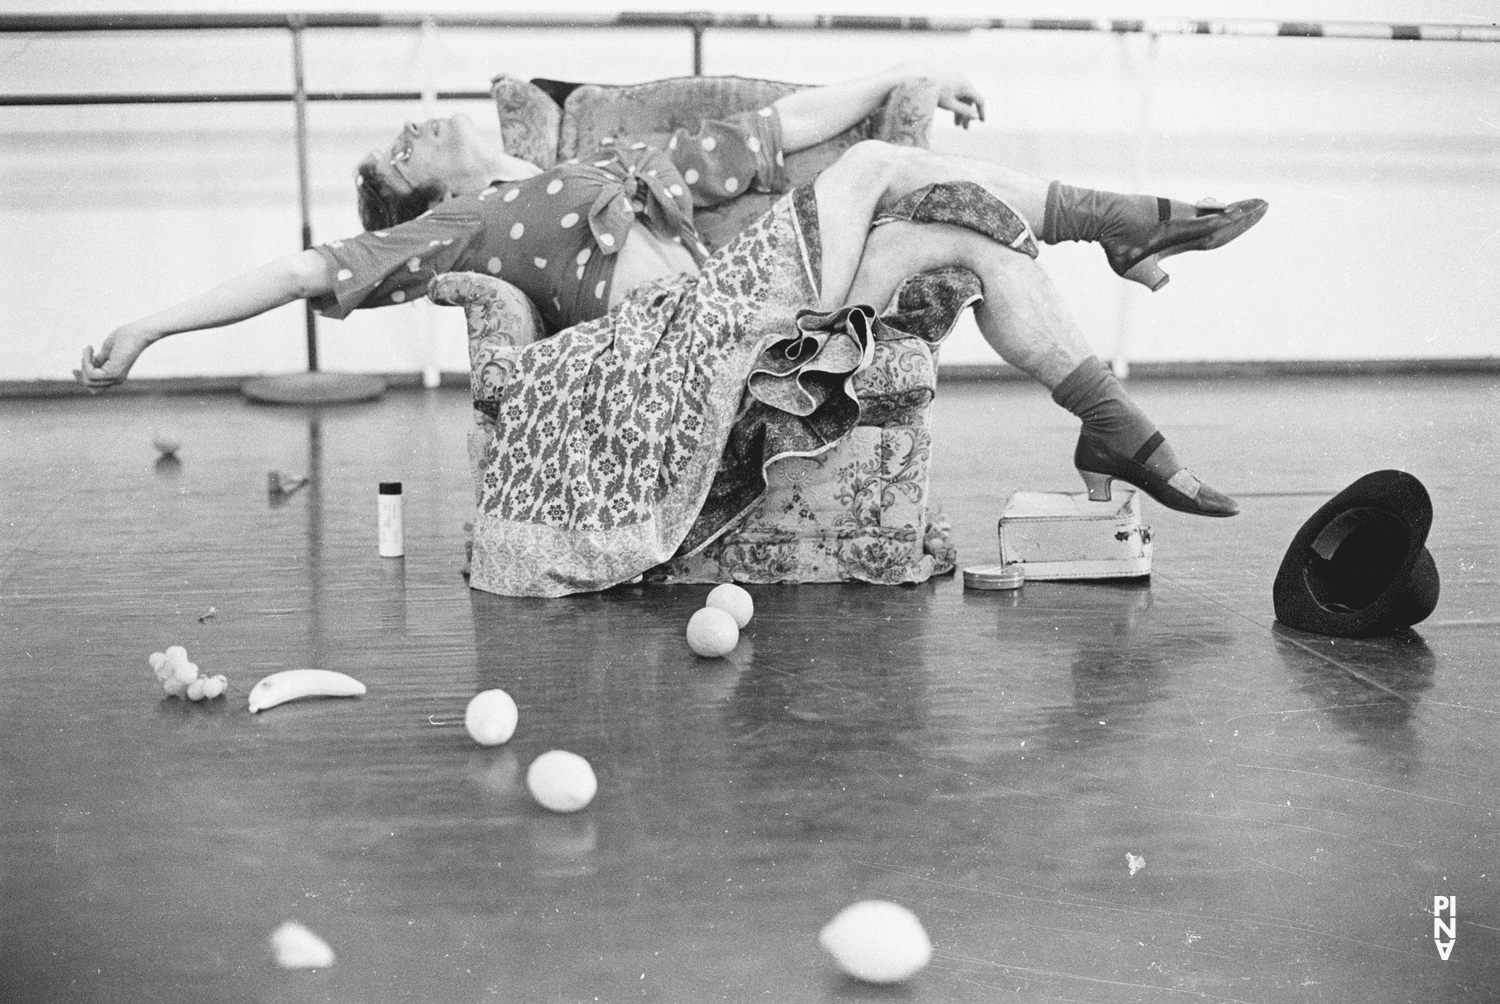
[607,249]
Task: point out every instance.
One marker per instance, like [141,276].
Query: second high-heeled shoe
[1214,226]
[1098,465]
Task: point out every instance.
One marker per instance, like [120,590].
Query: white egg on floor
[712,633]
[561,781]
[295,947]
[734,600]
[491,717]
[877,941]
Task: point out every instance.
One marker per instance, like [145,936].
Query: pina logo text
[1444,932]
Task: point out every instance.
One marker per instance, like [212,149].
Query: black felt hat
[1360,566]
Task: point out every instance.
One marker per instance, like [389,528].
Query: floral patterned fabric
[964,204]
[608,435]
[794,499]
[856,511]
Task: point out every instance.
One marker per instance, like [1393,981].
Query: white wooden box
[1057,535]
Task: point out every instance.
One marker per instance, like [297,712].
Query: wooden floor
[1088,793]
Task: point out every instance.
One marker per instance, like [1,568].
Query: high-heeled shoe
[1098,465]
[1214,226]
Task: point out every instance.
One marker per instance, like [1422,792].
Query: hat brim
[1360,566]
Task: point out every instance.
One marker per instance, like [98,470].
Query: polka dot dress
[555,235]
[723,159]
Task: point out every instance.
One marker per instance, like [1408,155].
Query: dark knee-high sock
[1088,214]
[1109,416]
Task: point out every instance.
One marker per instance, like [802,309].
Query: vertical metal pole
[427,55]
[697,49]
[299,102]
[1120,361]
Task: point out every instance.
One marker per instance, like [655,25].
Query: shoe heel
[1097,484]
[1148,273]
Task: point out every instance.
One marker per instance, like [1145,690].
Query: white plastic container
[1057,535]
[392,536]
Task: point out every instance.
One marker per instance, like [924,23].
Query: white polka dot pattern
[510,196]
[555,186]
[345,275]
[568,220]
[731,185]
[398,296]
[414,264]
[708,144]
[516,231]
[539,262]
[585,255]
[608,240]
[599,290]
[690,176]
[494,266]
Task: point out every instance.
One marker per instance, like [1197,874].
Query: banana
[290,684]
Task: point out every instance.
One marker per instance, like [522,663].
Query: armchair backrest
[536,128]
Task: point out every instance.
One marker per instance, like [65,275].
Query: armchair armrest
[500,317]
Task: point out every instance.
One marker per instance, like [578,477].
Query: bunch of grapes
[182,679]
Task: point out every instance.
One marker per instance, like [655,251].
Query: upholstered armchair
[858,512]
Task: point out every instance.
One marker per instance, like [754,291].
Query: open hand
[960,97]
[110,365]
[954,92]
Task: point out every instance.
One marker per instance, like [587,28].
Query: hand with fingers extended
[958,96]
[111,364]
[954,93]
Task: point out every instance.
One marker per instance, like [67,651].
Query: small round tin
[1011,576]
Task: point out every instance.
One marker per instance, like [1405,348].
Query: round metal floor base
[314,388]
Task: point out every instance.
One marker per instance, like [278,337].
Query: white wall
[1381,161]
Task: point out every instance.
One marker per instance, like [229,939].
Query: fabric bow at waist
[642,185]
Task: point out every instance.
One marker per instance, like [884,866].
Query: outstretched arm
[810,116]
[295,277]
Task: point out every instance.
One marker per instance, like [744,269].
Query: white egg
[295,947]
[734,600]
[561,781]
[877,941]
[712,633]
[491,717]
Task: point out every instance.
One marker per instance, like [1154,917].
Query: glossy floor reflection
[1105,793]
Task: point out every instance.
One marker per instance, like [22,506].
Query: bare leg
[1027,326]
[1021,316]
[872,174]
[1135,231]
[1024,321]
